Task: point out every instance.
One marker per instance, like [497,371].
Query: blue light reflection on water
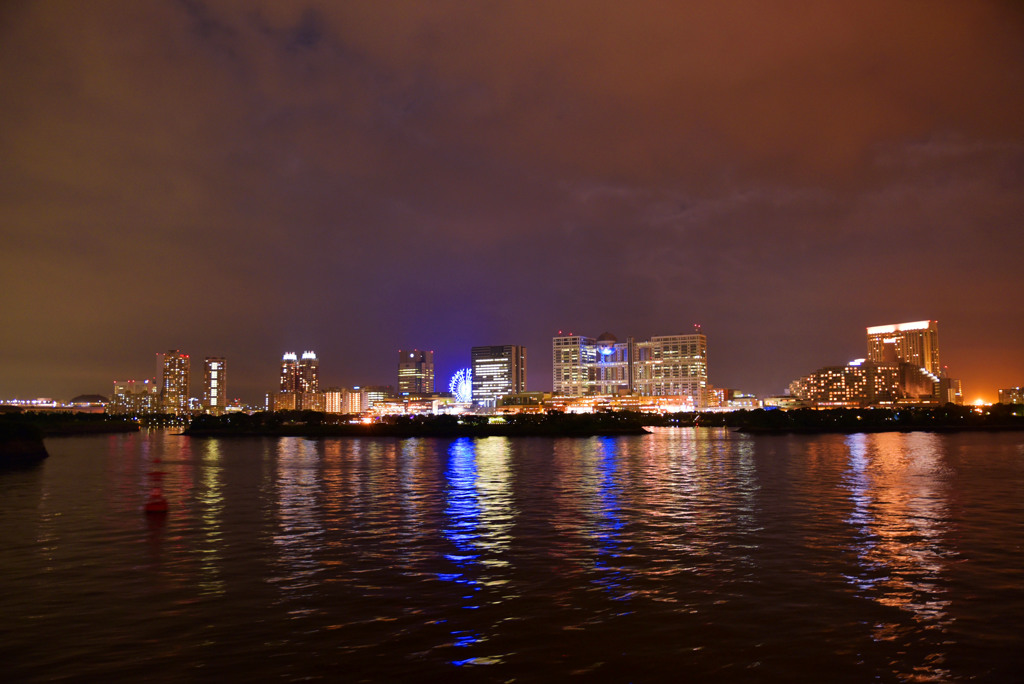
[462,520]
[609,523]
[462,510]
[479,515]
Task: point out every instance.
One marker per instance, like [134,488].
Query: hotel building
[916,343]
[415,372]
[215,397]
[902,367]
[497,371]
[664,366]
[866,383]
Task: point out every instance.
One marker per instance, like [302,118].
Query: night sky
[244,178]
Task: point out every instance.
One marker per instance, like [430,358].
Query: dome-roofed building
[88,400]
[606,343]
[88,403]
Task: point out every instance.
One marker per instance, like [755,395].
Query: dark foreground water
[687,555]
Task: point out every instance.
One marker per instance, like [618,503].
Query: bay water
[689,554]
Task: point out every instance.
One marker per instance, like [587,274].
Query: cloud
[364,175]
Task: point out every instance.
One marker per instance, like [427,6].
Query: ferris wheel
[461,386]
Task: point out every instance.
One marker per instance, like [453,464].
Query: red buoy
[157,503]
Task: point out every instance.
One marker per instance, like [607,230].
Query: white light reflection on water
[703,493]
[413,491]
[299,534]
[497,508]
[899,516]
[682,539]
[210,499]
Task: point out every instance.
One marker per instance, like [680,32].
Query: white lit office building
[496,372]
[663,366]
[214,385]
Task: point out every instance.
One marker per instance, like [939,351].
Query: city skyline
[298,376]
[238,180]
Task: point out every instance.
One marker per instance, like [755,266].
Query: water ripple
[865,557]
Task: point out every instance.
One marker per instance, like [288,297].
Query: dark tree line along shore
[312,423]
[315,424]
[22,433]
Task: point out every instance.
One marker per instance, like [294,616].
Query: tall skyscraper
[300,375]
[215,398]
[300,382]
[415,372]
[497,371]
[289,372]
[174,373]
[915,343]
[669,365]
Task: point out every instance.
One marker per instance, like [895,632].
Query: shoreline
[402,431]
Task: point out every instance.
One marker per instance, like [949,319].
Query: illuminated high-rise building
[916,343]
[174,373]
[573,356]
[673,366]
[300,382]
[497,371]
[289,372]
[669,366]
[134,397]
[415,372]
[214,385]
[300,375]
